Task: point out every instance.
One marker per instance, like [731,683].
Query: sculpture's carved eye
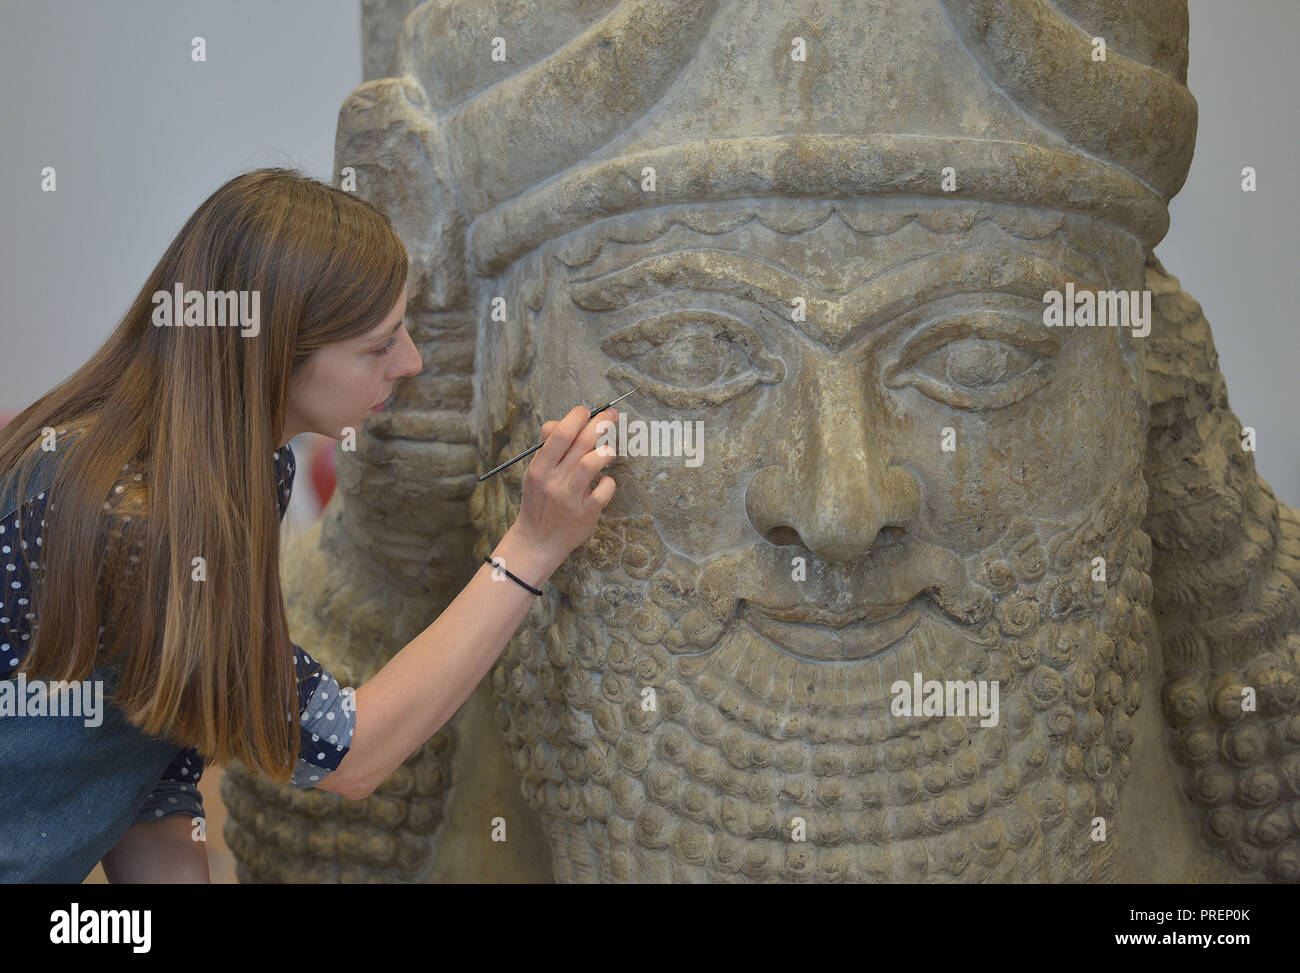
[690,359]
[961,365]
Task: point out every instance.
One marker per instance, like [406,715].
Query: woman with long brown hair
[139,542]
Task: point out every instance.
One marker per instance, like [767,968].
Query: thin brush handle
[532,449]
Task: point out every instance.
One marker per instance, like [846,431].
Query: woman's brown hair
[198,411]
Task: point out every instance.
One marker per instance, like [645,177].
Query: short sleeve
[20,545]
[177,790]
[285,467]
[328,720]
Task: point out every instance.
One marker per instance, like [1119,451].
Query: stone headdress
[1007,92]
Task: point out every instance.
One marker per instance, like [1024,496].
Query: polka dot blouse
[327,719]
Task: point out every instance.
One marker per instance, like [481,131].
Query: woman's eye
[976,373]
[388,346]
[687,361]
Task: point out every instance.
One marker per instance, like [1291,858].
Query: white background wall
[139,134]
[105,91]
[1236,252]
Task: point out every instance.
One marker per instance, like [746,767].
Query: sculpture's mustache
[788,585]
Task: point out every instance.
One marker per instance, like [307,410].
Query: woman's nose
[413,363]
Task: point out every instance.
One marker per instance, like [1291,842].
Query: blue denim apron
[68,792]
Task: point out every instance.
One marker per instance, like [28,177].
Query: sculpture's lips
[832,636]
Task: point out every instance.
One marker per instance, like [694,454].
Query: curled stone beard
[741,737]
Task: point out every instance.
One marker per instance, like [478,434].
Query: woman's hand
[559,509]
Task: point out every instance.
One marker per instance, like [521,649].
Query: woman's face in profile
[344,384]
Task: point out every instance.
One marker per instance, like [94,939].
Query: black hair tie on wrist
[487,559]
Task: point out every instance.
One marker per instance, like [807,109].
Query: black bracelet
[487,559]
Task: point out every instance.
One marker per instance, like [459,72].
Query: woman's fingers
[592,463]
[559,507]
[585,460]
[558,441]
[586,440]
[604,492]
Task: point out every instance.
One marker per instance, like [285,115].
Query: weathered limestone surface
[836,265]
[381,23]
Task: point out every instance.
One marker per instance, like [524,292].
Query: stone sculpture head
[824,234]
[841,282]
[827,546]
[773,685]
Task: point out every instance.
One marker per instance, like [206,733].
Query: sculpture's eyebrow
[831,320]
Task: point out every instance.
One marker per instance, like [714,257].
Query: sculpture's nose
[833,490]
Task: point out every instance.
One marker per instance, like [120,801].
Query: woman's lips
[828,643]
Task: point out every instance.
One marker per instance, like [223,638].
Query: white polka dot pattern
[327,723]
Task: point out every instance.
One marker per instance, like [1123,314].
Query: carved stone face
[915,478]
